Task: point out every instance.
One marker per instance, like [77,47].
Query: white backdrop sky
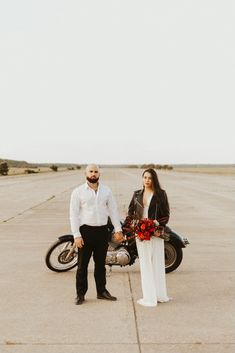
[117,81]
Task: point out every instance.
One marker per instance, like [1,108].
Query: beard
[92,180]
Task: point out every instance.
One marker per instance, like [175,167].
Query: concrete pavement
[36,305]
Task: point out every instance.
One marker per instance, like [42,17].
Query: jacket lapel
[152,207]
[139,204]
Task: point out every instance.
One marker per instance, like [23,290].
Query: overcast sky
[117,81]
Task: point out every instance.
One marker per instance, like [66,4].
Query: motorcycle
[62,256]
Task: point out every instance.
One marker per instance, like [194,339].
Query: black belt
[95,227]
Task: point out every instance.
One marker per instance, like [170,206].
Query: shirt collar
[88,187]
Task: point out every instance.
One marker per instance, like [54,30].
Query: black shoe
[79,300]
[106,295]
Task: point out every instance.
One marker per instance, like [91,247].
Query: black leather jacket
[158,207]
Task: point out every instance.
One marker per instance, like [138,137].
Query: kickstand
[110,270]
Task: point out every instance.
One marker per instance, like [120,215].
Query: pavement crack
[14,343]
[35,206]
[27,209]
[135,315]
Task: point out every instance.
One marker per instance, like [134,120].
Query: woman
[151,202]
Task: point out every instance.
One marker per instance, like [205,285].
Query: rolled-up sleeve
[113,213]
[74,214]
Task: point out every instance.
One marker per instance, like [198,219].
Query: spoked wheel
[173,256]
[61,256]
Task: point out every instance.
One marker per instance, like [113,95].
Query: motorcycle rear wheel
[173,256]
[56,256]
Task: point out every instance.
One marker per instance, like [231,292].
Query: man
[90,206]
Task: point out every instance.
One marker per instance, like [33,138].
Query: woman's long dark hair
[157,190]
[155,182]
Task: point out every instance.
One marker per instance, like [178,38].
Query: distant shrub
[166,167]
[133,166]
[157,166]
[30,171]
[78,166]
[70,168]
[54,167]
[147,166]
[4,168]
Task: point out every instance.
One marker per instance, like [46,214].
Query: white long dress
[152,268]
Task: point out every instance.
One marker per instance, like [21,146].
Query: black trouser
[96,242]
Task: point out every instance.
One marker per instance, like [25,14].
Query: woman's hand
[158,232]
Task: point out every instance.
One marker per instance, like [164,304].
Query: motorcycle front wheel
[173,256]
[61,257]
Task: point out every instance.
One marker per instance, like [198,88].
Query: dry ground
[221,170]
[37,313]
[20,171]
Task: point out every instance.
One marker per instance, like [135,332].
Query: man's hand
[118,236]
[78,242]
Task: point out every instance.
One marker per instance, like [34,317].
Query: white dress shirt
[92,208]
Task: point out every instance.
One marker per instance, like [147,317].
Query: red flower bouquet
[144,228]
